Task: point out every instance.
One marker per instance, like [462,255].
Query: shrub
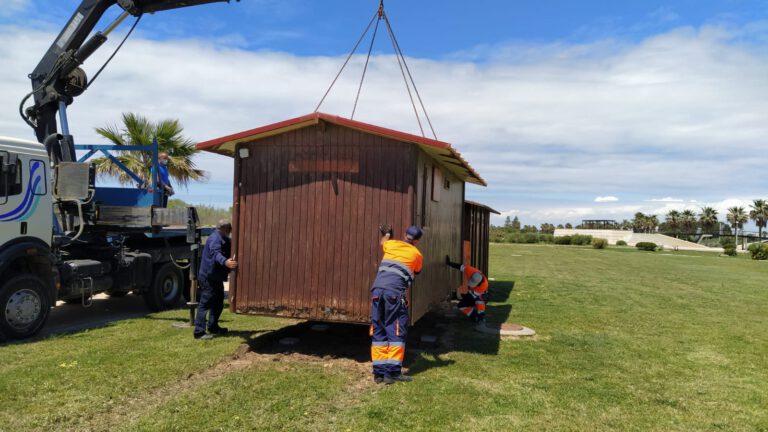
[546,238]
[729,246]
[564,240]
[646,246]
[578,239]
[512,238]
[599,243]
[530,238]
[621,243]
[759,251]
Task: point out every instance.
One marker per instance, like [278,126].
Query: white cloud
[678,114]
[12,7]
[603,199]
[666,199]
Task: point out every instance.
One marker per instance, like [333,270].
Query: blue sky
[588,109]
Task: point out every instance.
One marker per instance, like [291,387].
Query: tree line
[707,221]
[676,223]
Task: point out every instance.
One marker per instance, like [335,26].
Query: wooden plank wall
[441,222]
[476,230]
[309,205]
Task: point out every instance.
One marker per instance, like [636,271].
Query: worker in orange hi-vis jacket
[389,303]
[472,303]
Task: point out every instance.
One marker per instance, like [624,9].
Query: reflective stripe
[397,272]
[370,331]
[407,270]
[379,353]
[388,361]
[397,353]
[397,344]
[376,343]
[397,328]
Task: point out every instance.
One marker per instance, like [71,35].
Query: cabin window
[10,177]
[437,183]
[37,171]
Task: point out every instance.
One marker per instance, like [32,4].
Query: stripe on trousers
[379,353]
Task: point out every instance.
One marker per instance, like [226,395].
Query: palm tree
[688,221]
[673,221]
[708,219]
[138,130]
[736,217]
[638,222]
[759,214]
[651,222]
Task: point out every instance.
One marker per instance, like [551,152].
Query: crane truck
[62,237]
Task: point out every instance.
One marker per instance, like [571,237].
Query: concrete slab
[504,329]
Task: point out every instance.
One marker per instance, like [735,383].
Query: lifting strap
[404,69]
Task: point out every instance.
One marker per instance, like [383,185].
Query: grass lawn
[627,341]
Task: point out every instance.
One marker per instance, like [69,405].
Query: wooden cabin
[309,196]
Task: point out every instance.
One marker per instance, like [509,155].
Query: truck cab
[27,280]
[64,238]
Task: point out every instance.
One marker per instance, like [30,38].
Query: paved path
[66,318]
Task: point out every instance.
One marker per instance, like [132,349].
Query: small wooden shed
[309,195]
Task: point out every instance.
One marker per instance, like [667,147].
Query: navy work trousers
[389,328]
[211,303]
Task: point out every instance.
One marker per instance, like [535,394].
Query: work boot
[394,379]
[218,330]
[203,336]
[378,379]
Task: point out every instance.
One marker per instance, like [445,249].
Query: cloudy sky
[570,110]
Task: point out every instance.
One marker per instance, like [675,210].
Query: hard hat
[414,232]
[475,280]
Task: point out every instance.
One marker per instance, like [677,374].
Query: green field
[627,341]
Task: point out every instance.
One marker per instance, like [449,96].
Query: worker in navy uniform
[164,178]
[214,271]
[389,303]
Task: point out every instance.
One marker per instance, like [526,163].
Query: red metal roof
[443,152]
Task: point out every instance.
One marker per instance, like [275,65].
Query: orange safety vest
[468,272]
[404,252]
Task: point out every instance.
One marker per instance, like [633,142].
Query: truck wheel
[166,288]
[24,306]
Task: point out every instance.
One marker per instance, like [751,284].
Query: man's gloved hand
[386,229]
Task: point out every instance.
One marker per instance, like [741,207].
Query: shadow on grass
[434,335]
[322,340]
[498,310]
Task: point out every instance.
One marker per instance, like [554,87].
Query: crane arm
[58,78]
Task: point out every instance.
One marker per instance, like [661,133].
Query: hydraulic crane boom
[58,78]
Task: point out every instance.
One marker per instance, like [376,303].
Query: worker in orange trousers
[472,303]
